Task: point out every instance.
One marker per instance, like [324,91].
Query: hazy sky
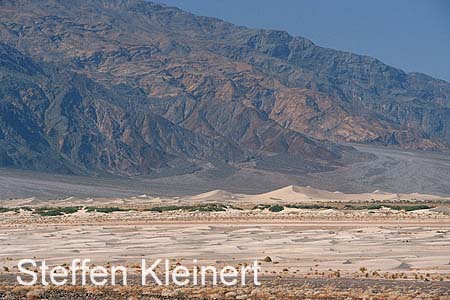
[413,35]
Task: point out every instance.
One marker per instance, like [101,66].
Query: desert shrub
[363,207]
[276,208]
[4,209]
[310,206]
[14,209]
[209,207]
[213,207]
[105,210]
[272,208]
[409,207]
[163,208]
[56,211]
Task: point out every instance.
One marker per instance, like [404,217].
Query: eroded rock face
[131,87]
[57,120]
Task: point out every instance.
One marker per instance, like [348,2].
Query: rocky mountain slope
[62,121]
[133,87]
[56,120]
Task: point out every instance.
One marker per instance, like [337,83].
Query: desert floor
[353,249]
[408,259]
[338,250]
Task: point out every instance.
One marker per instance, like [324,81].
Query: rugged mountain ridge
[57,120]
[165,86]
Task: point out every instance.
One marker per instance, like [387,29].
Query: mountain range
[132,87]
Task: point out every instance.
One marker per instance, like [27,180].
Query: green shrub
[409,207]
[209,208]
[160,209]
[56,211]
[202,208]
[310,206]
[5,209]
[362,207]
[276,208]
[105,210]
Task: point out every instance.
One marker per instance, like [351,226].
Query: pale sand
[307,194]
[297,194]
[404,247]
[288,195]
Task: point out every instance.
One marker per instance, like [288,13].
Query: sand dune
[297,194]
[215,195]
[289,194]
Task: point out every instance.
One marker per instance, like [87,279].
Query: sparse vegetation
[271,208]
[210,207]
[105,210]
[192,208]
[276,208]
[391,206]
[363,207]
[5,209]
[310,206]
[410,207]
[217,207]
[338,206]
[56,211]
